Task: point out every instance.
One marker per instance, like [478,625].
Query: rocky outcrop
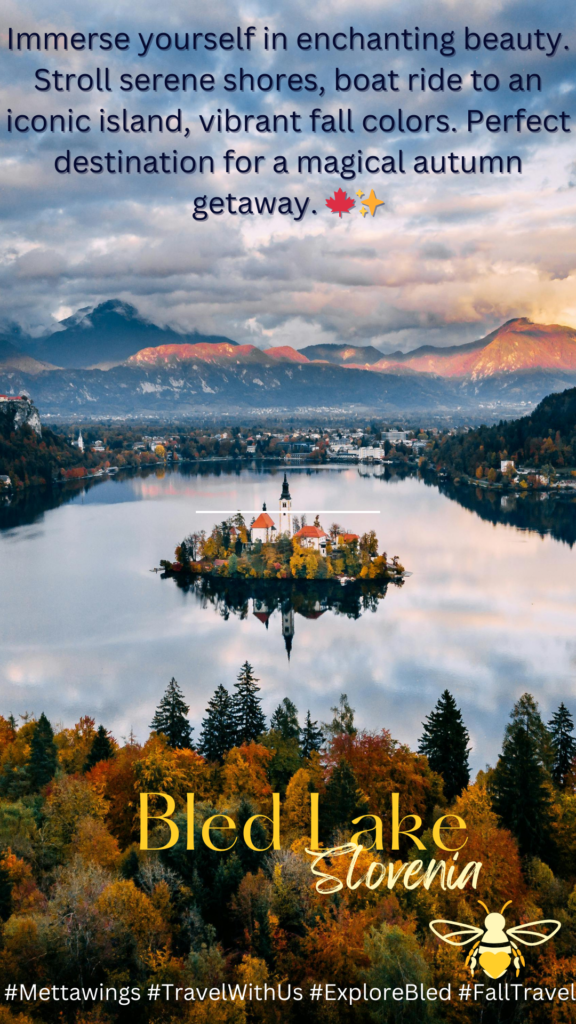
[18,412]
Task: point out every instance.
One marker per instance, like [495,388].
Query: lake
[490,610]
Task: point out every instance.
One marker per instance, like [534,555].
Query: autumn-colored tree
[245,772]
[382,767]
[73,745]
[25,896]
[129,908]
[94,843]
[115,780]
[296,807]
[71,799]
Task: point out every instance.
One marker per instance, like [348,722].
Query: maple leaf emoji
[340,203]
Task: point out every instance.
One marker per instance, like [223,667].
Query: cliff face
[18,412]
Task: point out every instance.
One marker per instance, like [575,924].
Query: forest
[30,460]
[544,440]
[81,904]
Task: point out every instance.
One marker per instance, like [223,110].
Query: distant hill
[517,345]
[12,358]
[343,354]
[545,437]
[107,335]
[115,362]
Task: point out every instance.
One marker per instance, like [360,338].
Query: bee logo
[495,948]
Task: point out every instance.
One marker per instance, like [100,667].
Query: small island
[289,550]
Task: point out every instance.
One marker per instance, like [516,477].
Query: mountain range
[110,361]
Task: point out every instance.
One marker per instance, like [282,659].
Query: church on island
[264,528]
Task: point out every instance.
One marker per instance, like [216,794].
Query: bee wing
[526,934]
[468,932]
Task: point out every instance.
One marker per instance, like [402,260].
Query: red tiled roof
[264,522]
[311,531]
[262,616]
[347,537]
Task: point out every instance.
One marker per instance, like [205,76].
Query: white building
[312,537]
[395,436]
[506,464]
[370,454]
[263,528]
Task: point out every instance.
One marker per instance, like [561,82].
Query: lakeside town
[536,452]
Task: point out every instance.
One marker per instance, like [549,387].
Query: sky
[445,260]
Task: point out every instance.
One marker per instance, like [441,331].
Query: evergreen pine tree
[312,736]
[43,758]
[520,782]
[218,729]
[249,720]
[101,749]
[171,717]
[342,802]
[285,720]
[561,728]
[526,713]
[445,743]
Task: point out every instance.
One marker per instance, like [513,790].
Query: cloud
[446,259]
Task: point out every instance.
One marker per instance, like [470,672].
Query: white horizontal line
[291,511]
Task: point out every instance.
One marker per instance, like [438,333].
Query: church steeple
[285,524]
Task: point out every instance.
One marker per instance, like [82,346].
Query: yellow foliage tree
[296,809]
[94,843]
[128,907]
[244,772]
[69,801]
[73,745]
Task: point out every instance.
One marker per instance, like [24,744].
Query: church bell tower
[285,525]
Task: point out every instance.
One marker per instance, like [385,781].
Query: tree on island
[102,749]
[285,720]
[171,717]
[445,742]
[312,737]
[43,755]
[249,720]
[520,785]
[218,728]
[561,729]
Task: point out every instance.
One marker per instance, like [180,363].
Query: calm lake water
[489,612]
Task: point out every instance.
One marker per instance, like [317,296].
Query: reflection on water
[551,514]
[489,612]
[261,598]
[537,512]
